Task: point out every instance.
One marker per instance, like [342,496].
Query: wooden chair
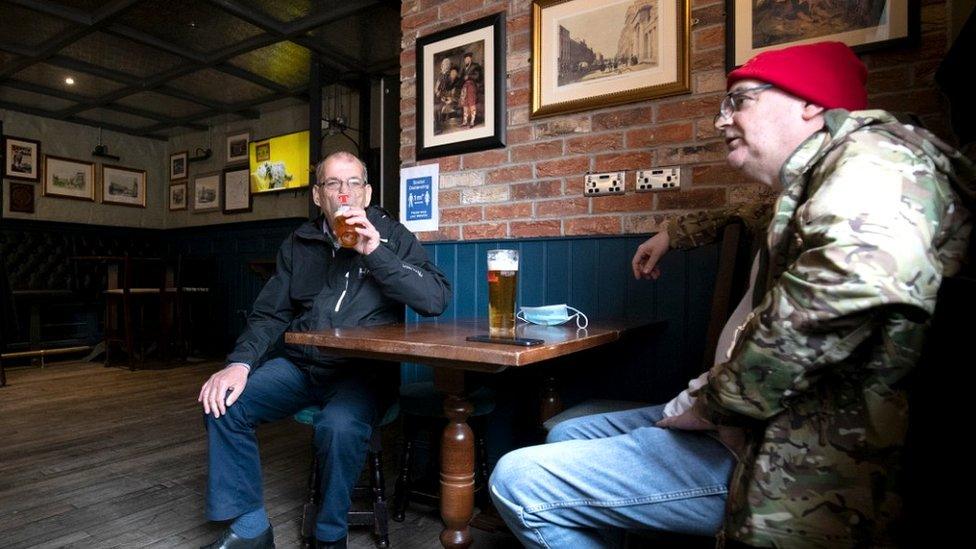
[378,514]
[193,302]
[139,292]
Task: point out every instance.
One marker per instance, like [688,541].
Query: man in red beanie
[805,407]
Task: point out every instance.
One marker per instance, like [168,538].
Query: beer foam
[502,263]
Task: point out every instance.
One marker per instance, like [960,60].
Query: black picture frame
[237,191]
[903,24]
[439,132]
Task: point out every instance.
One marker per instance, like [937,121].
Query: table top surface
[444,343]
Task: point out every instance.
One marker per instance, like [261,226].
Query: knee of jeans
[234,416]
[502,476]
[562,431]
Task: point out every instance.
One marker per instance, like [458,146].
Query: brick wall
[534,186]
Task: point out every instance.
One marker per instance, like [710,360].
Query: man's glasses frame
[333,183]
[732,102]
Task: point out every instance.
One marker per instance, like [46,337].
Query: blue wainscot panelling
[594,275]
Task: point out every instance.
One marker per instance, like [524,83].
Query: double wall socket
[597,184]
[658,179]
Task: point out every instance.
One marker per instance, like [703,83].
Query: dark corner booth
[157,154]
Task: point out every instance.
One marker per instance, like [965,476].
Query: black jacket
[318,285]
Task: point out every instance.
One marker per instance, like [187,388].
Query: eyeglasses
[732,102]
[333,183]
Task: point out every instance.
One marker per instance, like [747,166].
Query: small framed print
[123,186]
[69,178]
[206,193]
[178,165]
[22,158]
[237,190]
[237,147]
[177,196]
[22,198]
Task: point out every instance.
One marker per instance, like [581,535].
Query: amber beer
[502,283]
[346,233]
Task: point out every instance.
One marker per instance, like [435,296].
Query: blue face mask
[552,315]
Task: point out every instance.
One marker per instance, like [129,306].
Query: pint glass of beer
[502,279]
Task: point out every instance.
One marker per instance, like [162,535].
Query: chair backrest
[143,272]
[731,283]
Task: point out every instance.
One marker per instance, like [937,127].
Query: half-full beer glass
[502,281]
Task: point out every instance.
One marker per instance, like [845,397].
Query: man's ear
[811,111]
[315,197]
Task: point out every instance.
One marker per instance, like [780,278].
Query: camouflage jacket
[872,215]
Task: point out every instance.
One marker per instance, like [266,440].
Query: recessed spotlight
[69,81]
[192,24]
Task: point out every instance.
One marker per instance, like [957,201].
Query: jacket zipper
[343,295]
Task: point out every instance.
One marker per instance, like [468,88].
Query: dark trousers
[275,390]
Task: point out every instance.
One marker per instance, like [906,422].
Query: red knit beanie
[826,74]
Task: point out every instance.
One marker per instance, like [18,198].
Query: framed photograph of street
[589,54]
[461,89]
[206,193]
[178,165]
[22,158]
[864,25]
[177,196]
[123,186]
[237,190]
[69,178]
[237,147]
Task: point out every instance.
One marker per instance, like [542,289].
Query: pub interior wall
[534,186]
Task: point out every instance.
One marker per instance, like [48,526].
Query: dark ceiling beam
[158,43]
[89,24]
[332,57]
[76,120]
[68,96]
[247,75]
[257,18]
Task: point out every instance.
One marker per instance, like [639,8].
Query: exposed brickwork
[534,186]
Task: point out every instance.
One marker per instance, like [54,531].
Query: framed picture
[21,198]
[177,196]
[461,89]
[237,147]
[864,26]
[178,165]
[69,178]
[206,193]
[22,158]
[123,186]
[588,54]
[237,190]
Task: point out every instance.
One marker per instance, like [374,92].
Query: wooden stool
[378,517]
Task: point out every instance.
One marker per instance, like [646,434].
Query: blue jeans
[603,473]
[342,430]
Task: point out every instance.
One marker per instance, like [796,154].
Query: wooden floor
[95,457]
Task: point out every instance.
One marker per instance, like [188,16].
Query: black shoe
[229,540]
[337,544]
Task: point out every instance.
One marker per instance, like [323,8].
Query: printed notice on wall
[418,197]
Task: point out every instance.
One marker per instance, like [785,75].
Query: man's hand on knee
[223,389]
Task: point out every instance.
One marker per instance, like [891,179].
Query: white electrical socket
[596,184]
[658,179]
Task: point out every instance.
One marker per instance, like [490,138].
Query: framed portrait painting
[588,54]
[178,165]
[461,89]
[22,158]
[69,178]
[237,147]
[177,196]
[237,190]
[206,193]
[753,27]
[123,186]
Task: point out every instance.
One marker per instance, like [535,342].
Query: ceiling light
[69,81]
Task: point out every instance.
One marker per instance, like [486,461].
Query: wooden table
[442,344]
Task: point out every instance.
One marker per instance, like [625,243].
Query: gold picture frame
[589,54]
[753,29]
